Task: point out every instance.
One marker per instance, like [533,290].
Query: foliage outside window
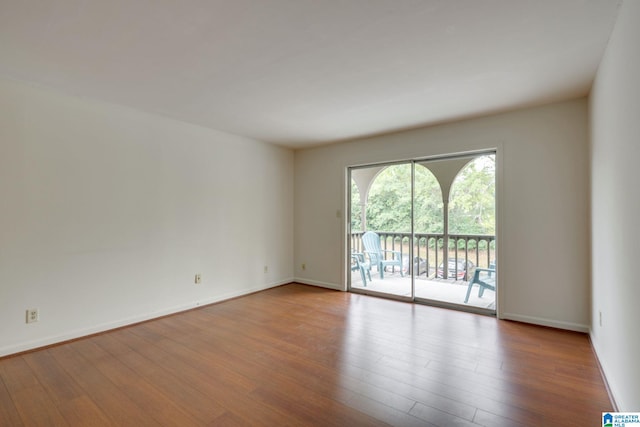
[356,208]
[389,202]
[472,199]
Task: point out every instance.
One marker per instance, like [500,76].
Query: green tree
[389,202]
[356,209]
[472,199]
[471,202]
[428,205]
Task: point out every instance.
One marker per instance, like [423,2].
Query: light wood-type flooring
[298,355]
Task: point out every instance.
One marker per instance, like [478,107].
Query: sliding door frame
[413,162]
[410,298]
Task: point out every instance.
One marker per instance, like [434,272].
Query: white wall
[108,213]
[615,209]
[543,189]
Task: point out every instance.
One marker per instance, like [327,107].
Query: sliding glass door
[425,230]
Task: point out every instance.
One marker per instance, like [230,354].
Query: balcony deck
[449,291]
[479,250]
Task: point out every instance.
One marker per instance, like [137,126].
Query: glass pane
[380,237]
[469,237]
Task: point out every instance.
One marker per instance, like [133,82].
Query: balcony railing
[429,253]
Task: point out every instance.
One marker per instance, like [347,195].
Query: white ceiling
[308,72]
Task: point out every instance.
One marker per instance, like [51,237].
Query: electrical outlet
[33,315]
[266,269]
[304,266]
[198,279]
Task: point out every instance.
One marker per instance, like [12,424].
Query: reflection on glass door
[381,229]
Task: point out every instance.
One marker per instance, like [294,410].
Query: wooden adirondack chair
[377,256]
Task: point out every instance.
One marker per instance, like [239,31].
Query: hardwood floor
[299,355]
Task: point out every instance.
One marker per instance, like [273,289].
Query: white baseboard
[319,284]
[603,372]
[79,333]
[546,322]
